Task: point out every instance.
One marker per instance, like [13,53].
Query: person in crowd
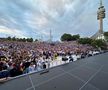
[32,67]
[23,57]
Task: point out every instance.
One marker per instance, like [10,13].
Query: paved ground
[87,74]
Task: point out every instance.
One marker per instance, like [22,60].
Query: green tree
[105,33]
[9,38]
[14,39]
[99,43]
[85,40]
[75,37]
[29,39]
[36,40]
[23,39]
[66,37]
[106,36]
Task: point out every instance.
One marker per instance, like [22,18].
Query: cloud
[33,18]
[9,32]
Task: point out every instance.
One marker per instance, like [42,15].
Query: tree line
[98,43]
[18,39]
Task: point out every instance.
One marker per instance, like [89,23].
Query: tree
[23,39]
[29,39]
[99,43]
[14,39]
[9,38]
[36,40]
[106,36]
[75,37]
[85,40]
[66,37]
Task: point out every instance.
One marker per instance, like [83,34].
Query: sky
[35,18]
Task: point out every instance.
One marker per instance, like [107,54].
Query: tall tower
[100,17]
[50,38]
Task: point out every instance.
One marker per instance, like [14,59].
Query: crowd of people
[17,58]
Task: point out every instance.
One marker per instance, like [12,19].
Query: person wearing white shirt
[31,68]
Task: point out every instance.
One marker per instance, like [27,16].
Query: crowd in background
[17,58]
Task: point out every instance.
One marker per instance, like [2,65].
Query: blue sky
[35,18]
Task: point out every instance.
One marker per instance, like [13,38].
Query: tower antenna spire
[101,3]
[50,35]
